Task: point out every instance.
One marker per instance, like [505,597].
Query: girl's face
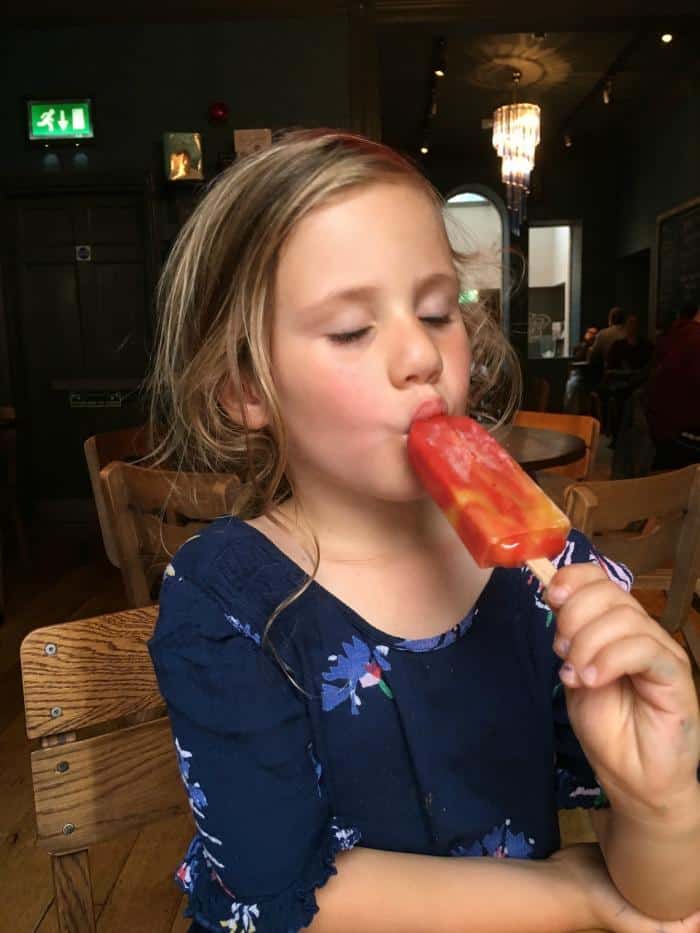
[366,330]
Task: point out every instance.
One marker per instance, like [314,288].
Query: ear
[248,409]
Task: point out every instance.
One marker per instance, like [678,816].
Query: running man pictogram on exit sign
[60,119]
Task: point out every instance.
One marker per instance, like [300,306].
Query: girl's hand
[630,695]
[607,909]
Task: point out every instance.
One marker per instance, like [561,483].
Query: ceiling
[563,71]
[564,52]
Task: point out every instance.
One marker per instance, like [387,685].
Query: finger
[637,655]
[589,601]
[567,580]
[600,599]
[613,625]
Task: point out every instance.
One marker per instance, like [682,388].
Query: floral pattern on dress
[243,629]
[572,792]
[500,842]
[358,665]
[242,915]
[241,918]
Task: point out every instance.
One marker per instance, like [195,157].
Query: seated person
[674,399]
[632,352]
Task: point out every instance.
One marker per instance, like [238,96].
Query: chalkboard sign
[678,259]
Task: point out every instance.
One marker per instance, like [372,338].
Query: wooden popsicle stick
[542,568]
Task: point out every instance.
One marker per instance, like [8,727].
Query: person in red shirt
[674,398]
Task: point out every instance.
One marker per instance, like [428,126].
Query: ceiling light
[667,37]
[607,91]
[568,141]
[516,134]
[423,150]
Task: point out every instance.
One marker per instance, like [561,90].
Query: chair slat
[661,494]
[106,785]
[158,538]
[642,553]
[194,495]
[99,671]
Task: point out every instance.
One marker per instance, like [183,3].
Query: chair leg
[73,888]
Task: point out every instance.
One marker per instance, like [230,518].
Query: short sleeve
[266,837]
[576,784]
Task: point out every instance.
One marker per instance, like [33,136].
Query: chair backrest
[605,511]
[126,444]
[95,773]
[154,512]
[583,426]
[538,392]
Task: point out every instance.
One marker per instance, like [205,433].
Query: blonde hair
[215,297]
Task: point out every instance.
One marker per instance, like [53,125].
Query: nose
[414,355]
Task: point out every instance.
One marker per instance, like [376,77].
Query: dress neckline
[419,645]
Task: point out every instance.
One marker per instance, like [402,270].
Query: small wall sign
[57,120]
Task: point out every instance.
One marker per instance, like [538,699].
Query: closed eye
[440,321]
[349,336]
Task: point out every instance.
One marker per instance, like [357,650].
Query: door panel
[82,325]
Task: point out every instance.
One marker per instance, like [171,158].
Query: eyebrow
[365,293]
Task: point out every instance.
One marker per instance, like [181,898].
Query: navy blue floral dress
[456,745]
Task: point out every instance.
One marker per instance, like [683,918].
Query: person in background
[674,324]
[674,398]
[632,352]
[582,349]
[607,337]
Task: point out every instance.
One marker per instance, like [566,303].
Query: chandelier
[516,133]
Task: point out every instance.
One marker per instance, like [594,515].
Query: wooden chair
[126,444]
[582,426]
[666,551]
[556,480]
[538,393]
[95,773]
[154,512]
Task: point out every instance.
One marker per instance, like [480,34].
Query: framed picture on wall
[246,142]
[183,156]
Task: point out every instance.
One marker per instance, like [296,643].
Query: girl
[360,713]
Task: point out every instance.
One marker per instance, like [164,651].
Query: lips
[429,409]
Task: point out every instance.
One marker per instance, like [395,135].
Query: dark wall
[662,172]
[148,79]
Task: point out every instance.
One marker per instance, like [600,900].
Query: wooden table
[537,448]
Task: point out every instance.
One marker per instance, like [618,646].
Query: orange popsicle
[501,514]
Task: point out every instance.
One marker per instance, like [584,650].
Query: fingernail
[589,674]
[561,646]
[556,595]
[568,674]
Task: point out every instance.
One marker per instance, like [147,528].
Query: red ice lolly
[501,514]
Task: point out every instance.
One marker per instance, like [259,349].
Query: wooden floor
[70,578]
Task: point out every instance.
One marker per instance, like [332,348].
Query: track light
[568,141]
[439,58]
[607,91]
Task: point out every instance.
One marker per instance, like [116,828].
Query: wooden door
[83,327]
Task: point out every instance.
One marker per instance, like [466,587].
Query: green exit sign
[60,119]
